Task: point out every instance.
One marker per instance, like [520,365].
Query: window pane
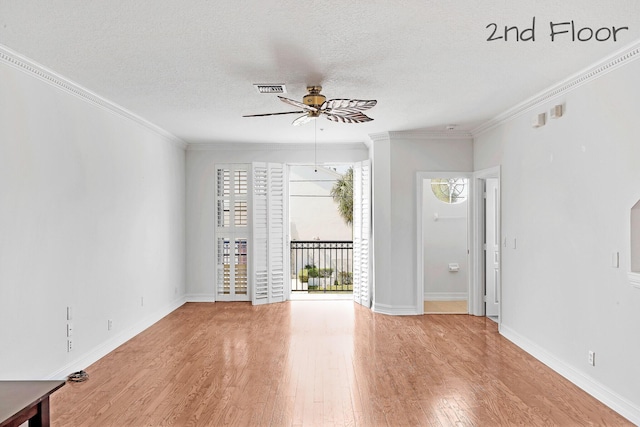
[224,267]
[240,212]
[240,184]
[241,266]
[452,190]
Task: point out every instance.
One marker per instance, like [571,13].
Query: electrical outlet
[592,358]
[69,329]
[69,345]
[109,324]
[69,313]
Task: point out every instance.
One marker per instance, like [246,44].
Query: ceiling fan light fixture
[270,87]
[314,98]
[315,104]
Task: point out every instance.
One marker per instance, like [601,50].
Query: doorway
[480,270]
[486,284]
[445,242]
[320,232]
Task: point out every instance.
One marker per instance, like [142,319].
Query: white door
[269,255]
[361,232]
[232,232]
[492,248]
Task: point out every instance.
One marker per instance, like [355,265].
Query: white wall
[200,170]
[397,158]
[313,214]
[567,191]
[91,216]
[445,242]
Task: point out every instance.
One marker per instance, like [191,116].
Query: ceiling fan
[314,104]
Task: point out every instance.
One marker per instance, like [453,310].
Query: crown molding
[422,135]
[257,146]
[17,61]
[618,59]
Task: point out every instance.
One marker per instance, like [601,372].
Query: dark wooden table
[26,400]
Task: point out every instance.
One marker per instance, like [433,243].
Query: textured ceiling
[188,65]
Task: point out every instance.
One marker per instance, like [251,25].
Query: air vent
[270,88]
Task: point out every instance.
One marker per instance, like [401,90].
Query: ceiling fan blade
[348,118]
[302,120]
[305,107]
[273,114]
[349,104]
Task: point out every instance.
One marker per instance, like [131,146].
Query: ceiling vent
[270,88]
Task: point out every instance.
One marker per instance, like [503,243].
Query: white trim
[19,62]
[446,296]
[605,395]
[634,279]
[111,344]
[200,298]
[420,177]
[257,146]
[422,135]
[597,70]
[395,310]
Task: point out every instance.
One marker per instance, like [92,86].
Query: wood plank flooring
[321,363]
[446,307]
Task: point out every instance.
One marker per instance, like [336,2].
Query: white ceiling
[188,66]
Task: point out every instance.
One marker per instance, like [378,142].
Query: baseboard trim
[200,298]
[395,310]
[446,296]
[605,395]
[111,344]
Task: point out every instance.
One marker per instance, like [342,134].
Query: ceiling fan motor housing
[314,98]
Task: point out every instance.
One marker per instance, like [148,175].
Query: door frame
[476,294]
[420,178]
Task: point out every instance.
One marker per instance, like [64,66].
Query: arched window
[450,190]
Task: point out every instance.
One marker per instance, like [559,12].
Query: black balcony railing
[321,266]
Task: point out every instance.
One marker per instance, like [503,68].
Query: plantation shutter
[361,232]
[232,232]
[269,233]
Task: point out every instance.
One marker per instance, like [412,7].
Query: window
[450,190]
[232,230]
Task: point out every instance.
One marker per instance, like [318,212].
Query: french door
[251,220]
[270,255]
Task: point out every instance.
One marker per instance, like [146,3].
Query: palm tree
[342,193]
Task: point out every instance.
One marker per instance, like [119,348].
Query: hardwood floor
[321,363]
[446,307]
